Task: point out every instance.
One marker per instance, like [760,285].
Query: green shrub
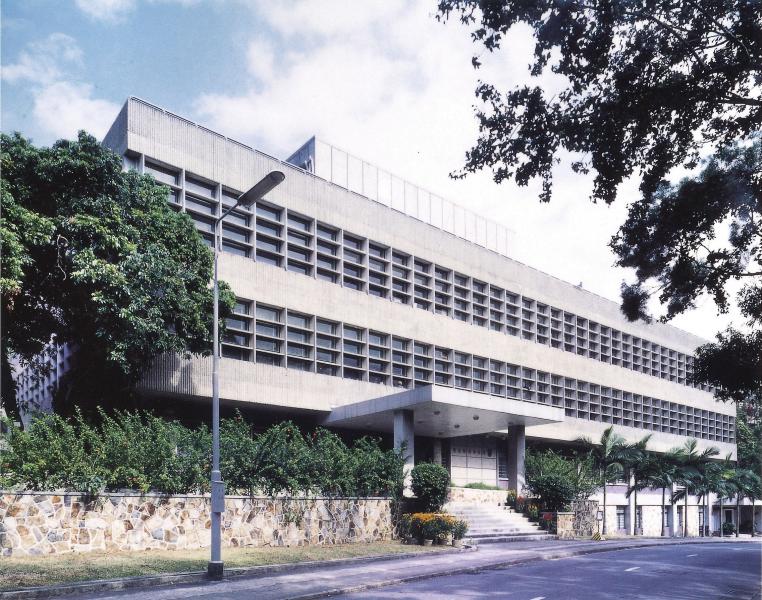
[478,485]
[143,452]
[510,498]
[556,480]
[430,484]
[728,528]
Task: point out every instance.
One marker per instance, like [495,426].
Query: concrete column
[515,456]
[631,507]
[404,434]
[437,451]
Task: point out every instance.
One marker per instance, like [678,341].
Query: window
[327,233]
[268,313]
[268,212]
[299,223]
[327,327]
[353,242]
[268,228]
[200,187]
[161,174]
[621,517]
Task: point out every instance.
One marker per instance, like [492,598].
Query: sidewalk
[326,579]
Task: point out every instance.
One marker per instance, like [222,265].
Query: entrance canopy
[443,412]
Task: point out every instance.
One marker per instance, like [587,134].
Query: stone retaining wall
[459,494]
[45,523]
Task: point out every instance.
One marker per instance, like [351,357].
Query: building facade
[37,382]
[368,304]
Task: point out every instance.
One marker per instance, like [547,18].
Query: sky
[382,79]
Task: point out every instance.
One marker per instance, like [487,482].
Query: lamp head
[263,187]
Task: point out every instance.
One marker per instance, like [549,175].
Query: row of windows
[295,340]
[279,237]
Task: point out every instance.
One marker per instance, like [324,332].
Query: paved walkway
[331,580]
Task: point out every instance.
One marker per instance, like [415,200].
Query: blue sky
[380,78]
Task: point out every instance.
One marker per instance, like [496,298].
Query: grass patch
[481,486]
[28,571]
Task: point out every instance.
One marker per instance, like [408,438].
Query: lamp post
[215,566]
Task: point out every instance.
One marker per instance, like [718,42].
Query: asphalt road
[700,571]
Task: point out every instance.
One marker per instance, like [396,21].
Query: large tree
[650,85]
[96,257]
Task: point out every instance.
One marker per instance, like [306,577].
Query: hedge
[143,452]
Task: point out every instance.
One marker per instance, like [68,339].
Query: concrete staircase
[490,523]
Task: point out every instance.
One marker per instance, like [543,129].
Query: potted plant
[430,529]
[510,498]
[405,528]
[459,530]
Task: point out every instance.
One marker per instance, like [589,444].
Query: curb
[146,581]
[497,565]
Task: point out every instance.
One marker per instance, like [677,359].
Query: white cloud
[44,61]
[63,108]
[106,10]
[61,105]
[387,82]
[114,11]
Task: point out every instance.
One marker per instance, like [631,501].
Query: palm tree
[662,475]
[709,480]
[640,465]
[691,469]
[609,455]
[743,483]
[726,487]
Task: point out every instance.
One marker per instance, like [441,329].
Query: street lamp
[215,566]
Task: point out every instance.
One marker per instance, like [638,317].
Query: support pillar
[515,457]
[631,506]
[438,452]
[404,435]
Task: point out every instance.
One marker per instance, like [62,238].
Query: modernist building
[367,303]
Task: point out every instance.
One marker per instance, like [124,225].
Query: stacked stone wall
[42,523]
[476,496]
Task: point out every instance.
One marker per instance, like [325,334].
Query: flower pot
[457,543]
[428,542]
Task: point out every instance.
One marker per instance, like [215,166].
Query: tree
[649,86]
[662,475]
[96,257]
[672,240]
[691,466]
[743,483]
[640,466]
[609,456]
[749,435]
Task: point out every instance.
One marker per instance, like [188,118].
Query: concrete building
[37,381]
[368,304]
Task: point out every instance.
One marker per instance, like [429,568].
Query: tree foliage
[96,257]
[647,85]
